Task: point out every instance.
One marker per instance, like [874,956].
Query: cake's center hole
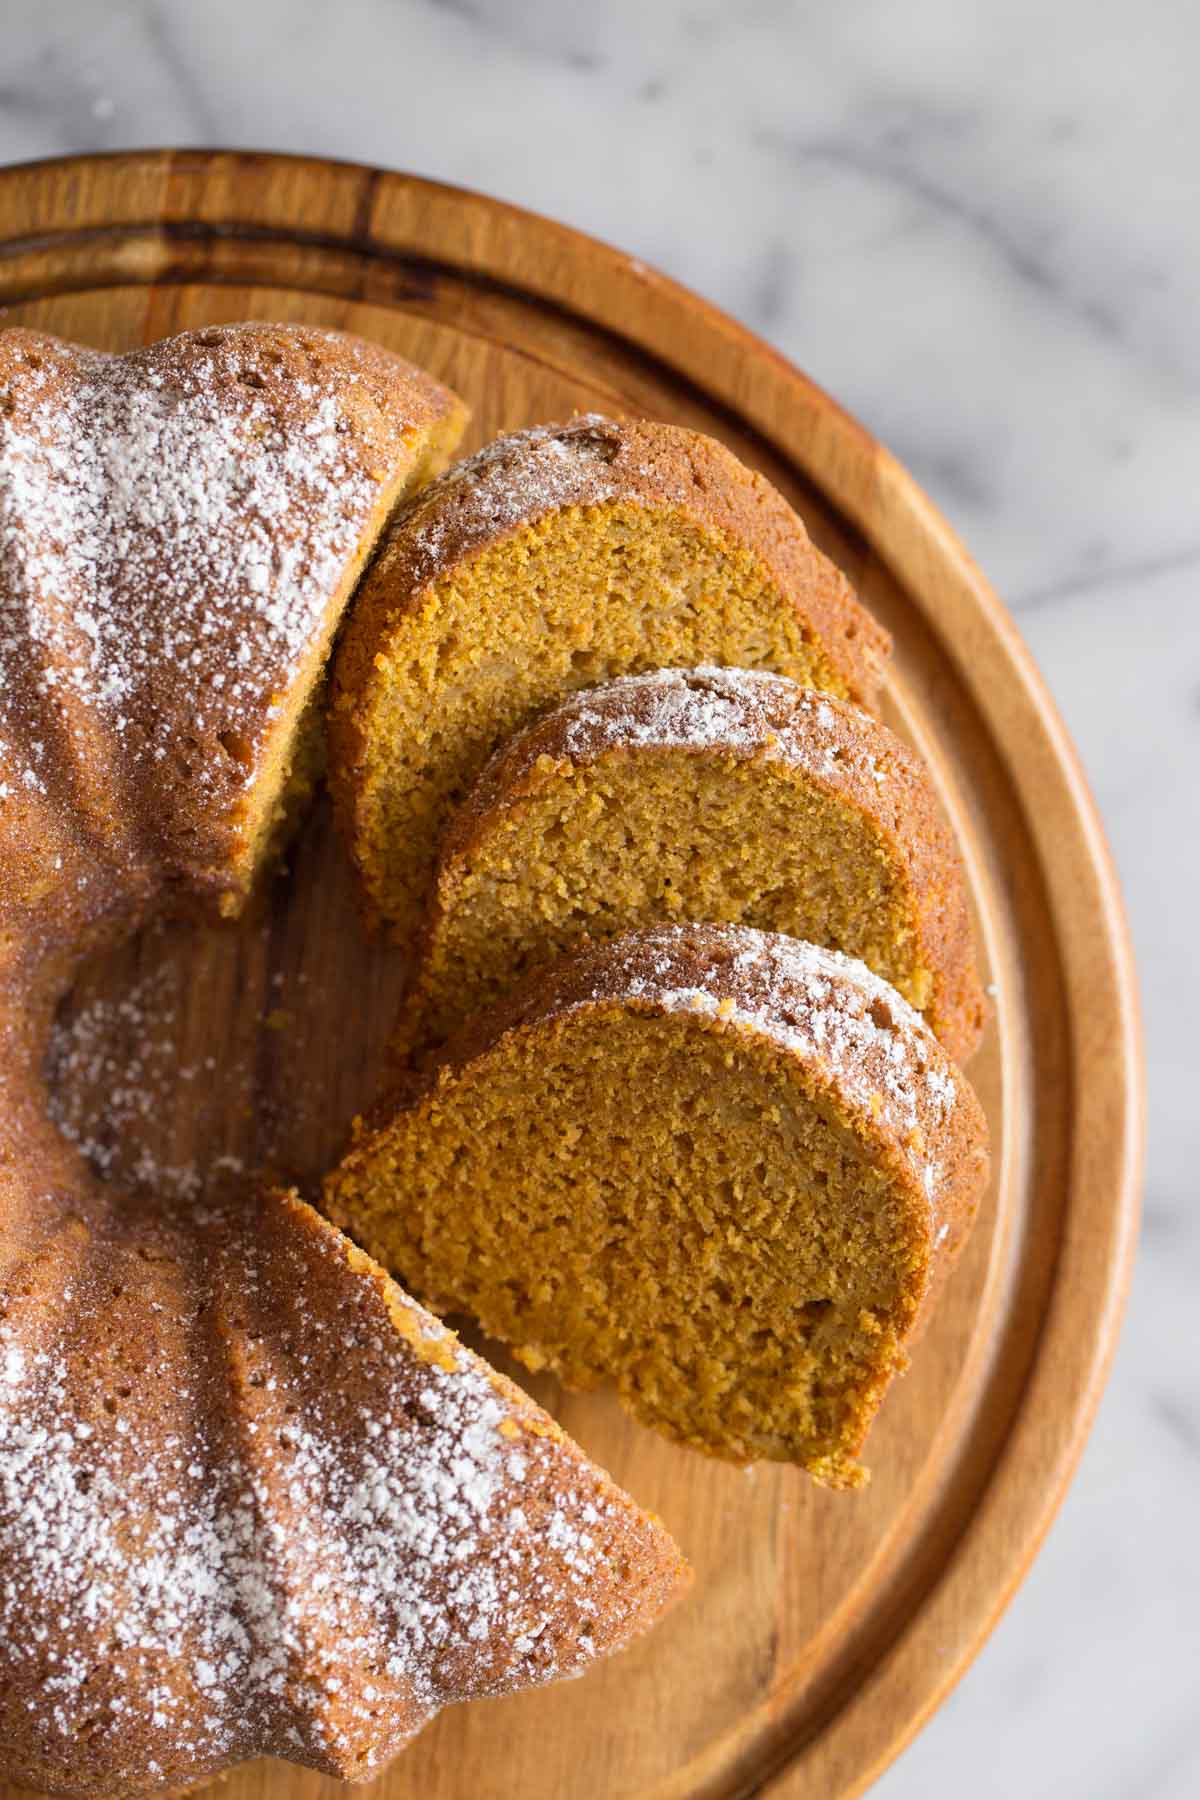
[190,1058]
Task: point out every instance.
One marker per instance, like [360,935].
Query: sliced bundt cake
[553,560]
[252,1500]
[723,795]
[718,1167]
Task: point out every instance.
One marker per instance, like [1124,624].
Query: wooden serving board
[823,1628]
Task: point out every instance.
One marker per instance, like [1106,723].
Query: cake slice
[553,560]
[719,1168]
[728,796]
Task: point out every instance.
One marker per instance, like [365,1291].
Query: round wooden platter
[822,1628]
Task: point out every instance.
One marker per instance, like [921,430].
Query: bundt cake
[251,1498]
[553,560]
[723,795]
[720,1168]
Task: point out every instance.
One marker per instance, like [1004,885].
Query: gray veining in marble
[979,226]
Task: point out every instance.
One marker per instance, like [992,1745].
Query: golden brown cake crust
[178,523]
[751,716]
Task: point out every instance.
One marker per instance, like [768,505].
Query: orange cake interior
[719,795]
[714,1167]
[554,560]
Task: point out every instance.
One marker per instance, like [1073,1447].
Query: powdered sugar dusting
[693,709]
[113,1067]
[117,1537]
[165,516]
[510,482]
[722,711]
[827,1008]
[744,712]
[313,1571]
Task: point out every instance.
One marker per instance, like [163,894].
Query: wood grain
[824,1628]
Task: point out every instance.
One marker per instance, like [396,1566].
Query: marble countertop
[977,227]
